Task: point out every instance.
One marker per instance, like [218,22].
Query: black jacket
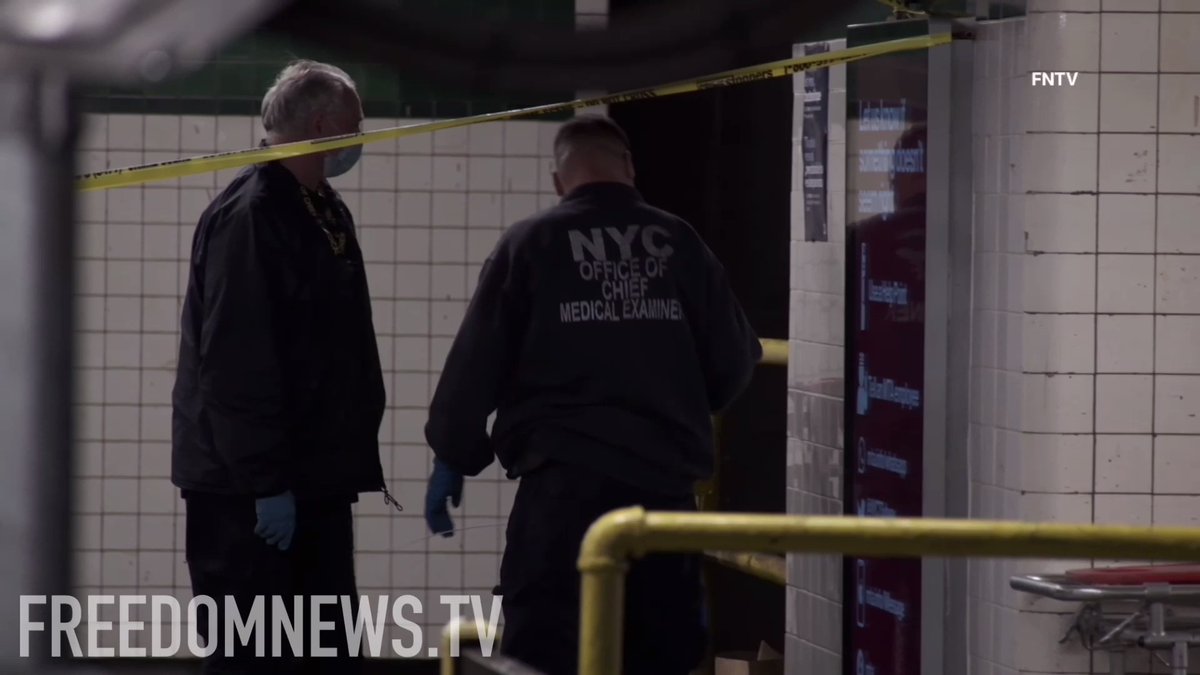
[279,385]
[604,333]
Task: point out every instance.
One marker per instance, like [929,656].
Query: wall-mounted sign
[814,143]
[885,341]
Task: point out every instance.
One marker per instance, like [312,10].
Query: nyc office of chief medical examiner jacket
[279,384]
[603,333]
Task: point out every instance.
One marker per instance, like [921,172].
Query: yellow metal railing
[461,633]
[765,566]
[768,567]
[625,533]
[707,492]
[775,352]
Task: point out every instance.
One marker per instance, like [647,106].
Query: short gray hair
[590,132]
[301,90]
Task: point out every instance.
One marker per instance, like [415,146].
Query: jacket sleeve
[477,368]
[240,371]
[730,349]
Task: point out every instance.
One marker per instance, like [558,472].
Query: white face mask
[339,162]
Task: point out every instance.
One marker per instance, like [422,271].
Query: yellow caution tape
[191,166]
[934,10]
[900,9]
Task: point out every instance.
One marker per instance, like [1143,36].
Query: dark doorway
[721,159]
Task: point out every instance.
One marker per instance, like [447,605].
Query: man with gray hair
[279,391]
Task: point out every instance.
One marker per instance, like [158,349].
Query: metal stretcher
[1156,608]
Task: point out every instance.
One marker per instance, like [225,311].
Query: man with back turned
[279,392]
[603,334]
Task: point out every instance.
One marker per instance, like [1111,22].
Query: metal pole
[38,128]
[603,563]
[602,617]
[1158,619]
[458,635]
[1179,658]
[1116,662]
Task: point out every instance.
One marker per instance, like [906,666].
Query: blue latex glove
[276,519]
[445,483]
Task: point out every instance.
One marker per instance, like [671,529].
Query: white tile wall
[428,208]
[1106,358]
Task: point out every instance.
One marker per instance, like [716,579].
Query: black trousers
[226,559]
[539,580]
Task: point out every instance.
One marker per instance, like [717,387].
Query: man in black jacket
[603,333]
[279,392]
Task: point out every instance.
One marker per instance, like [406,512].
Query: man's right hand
[276,519]
[445,483]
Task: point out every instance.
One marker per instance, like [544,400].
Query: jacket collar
[604,190]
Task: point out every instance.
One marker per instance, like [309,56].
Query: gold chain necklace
[337,240]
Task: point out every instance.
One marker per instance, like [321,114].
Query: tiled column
[1085,394]
[816,394]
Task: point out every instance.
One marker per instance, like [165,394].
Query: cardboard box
[765,661]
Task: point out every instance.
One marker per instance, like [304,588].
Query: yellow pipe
[619,535]
[603,562]
[456,635]
[706,491]
[768,567]
[775,352]
[708,498]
